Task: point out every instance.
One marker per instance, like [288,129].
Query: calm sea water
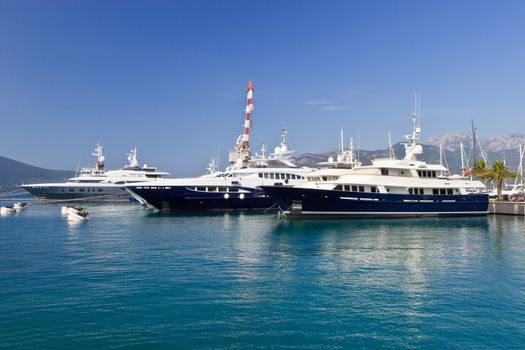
[237,281]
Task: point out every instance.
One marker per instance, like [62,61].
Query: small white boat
[77,216]
[66,209]
[7,210]
[19,206]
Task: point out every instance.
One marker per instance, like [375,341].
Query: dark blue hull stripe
[180,198]
[311,202]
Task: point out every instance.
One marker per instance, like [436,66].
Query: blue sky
[169,76]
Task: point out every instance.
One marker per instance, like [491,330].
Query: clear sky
[169,76]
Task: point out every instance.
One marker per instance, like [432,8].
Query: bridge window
[384,171]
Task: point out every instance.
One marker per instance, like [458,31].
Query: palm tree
[480,167]
[497,174]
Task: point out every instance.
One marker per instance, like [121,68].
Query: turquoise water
[237,281]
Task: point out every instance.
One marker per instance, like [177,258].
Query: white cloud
[318,102]
[334,108]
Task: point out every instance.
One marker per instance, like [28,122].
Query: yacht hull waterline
[181,198]
[318,203]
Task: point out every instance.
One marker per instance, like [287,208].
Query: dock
[507,208]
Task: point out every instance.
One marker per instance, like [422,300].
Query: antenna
[390,147]
[341,142]
[358,148]
[440,154]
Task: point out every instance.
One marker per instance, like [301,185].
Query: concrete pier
[507,208]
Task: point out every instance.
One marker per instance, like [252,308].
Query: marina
[302,196]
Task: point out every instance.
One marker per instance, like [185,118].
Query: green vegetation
[497,174]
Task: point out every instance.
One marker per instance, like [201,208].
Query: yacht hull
[301,202]
[181,198]
[91,192]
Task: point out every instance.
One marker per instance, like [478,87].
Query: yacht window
[71,190]
[339,188]
[384,171]
[272,176]
[421,191]
[433,174]
[261,175]
[361,188]
[449,191]
[442,191]
[416,191]
[347,187]
[354,188]
[101,190]
[201,189]
[435,191]
[410,191]
[373,189]
[82,190]
[292,176]
[223,189]
[419,173]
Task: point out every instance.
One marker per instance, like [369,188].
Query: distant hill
[14,173]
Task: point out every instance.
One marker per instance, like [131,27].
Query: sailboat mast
[474,141]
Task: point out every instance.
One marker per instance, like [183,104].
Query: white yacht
[387,188]
[98,183]
[236,188]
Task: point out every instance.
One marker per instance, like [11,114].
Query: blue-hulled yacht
[387,188]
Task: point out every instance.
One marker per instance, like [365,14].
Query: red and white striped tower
[239,157]
[245,144]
